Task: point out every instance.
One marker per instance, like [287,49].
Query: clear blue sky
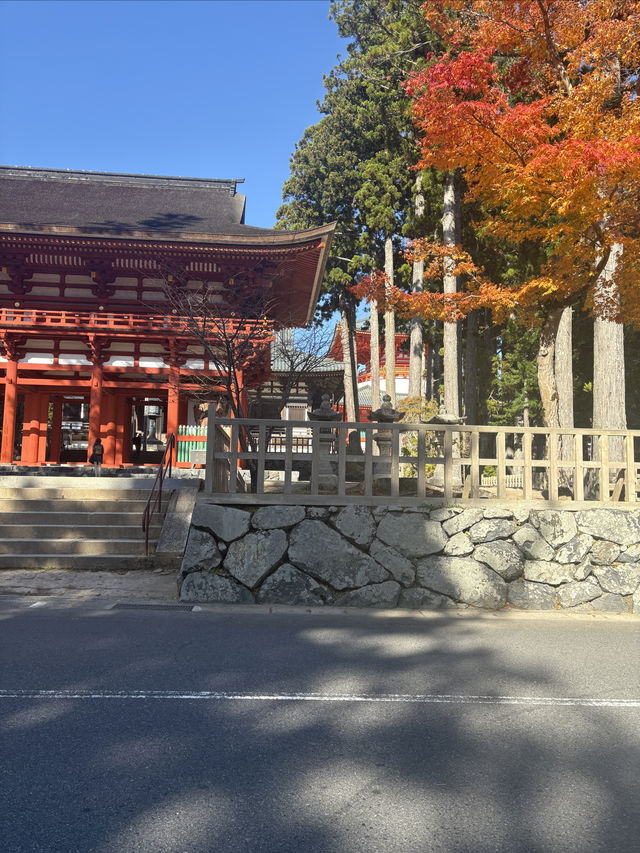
[215,88]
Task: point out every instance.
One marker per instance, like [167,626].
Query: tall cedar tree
[353,166]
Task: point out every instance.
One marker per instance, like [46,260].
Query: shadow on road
[283,775]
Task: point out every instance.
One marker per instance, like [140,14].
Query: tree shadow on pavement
[286,774]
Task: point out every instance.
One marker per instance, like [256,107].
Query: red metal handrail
[160,476]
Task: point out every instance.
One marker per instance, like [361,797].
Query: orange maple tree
[537,101]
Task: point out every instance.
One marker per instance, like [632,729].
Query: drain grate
[188,607]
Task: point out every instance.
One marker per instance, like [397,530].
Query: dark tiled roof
[364,395]
[107,204]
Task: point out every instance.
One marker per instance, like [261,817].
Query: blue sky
[216,88]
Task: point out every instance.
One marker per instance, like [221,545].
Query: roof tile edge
[130,179]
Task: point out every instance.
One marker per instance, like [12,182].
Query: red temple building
[89,343]
[363,345]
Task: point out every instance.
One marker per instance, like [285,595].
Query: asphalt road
[243,730]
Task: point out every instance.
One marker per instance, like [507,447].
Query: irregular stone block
[492,528]
[203,586]
[531,596]
[556,527]
[225,522]
[610,603]
[413,535]
[578,592]
[532,545]
[521,514]
[462,521]
[583,570]
[604,553]
[630,555]
[201,553]
[356,523]
[251,558]
[635,601]
[503,557]
[575,550]
[401,568]
[317,512]
[543,571]
[376,595]
[441,514]
[271,517]
[464,579]
[416,599]
[288,585]
[497,512]
[620,526]
[458,546]
[623,579]
[329,557]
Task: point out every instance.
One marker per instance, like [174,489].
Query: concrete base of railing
[419,558]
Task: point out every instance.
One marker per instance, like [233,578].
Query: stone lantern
[386,414]
[443,417]
[326,478]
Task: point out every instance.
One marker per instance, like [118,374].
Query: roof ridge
[125,178]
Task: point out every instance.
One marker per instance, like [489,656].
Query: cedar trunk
[349,395]
[451,355]
[416,335]
[374,333]
[609,397]
[389,328]
[546,367]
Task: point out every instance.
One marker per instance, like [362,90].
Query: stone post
[326,477]
[386,414]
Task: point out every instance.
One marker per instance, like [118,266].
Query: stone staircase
[71,523]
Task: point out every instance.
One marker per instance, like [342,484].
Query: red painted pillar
[56,430]
[183,411]
[9,416]
[30,429]
[95,403]
[123,438]
[109,431]
[43,428]
[173,405]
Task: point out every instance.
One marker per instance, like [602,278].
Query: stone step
[73,546]
[82,562]
[99,483]
[48,494]
[70,505]
[82,530]
[95,519]
[96,524]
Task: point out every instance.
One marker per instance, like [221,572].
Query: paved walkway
[157,585]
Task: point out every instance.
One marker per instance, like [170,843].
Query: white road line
[388,698]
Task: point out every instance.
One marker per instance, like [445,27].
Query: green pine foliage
[514,383]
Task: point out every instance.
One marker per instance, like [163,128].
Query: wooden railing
[154,503]
[424,464]
[29,317]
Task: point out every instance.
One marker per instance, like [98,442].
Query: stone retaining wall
[585,560]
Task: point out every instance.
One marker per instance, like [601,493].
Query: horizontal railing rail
[374,463]
[154,502]
[122,321]
[100,320]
